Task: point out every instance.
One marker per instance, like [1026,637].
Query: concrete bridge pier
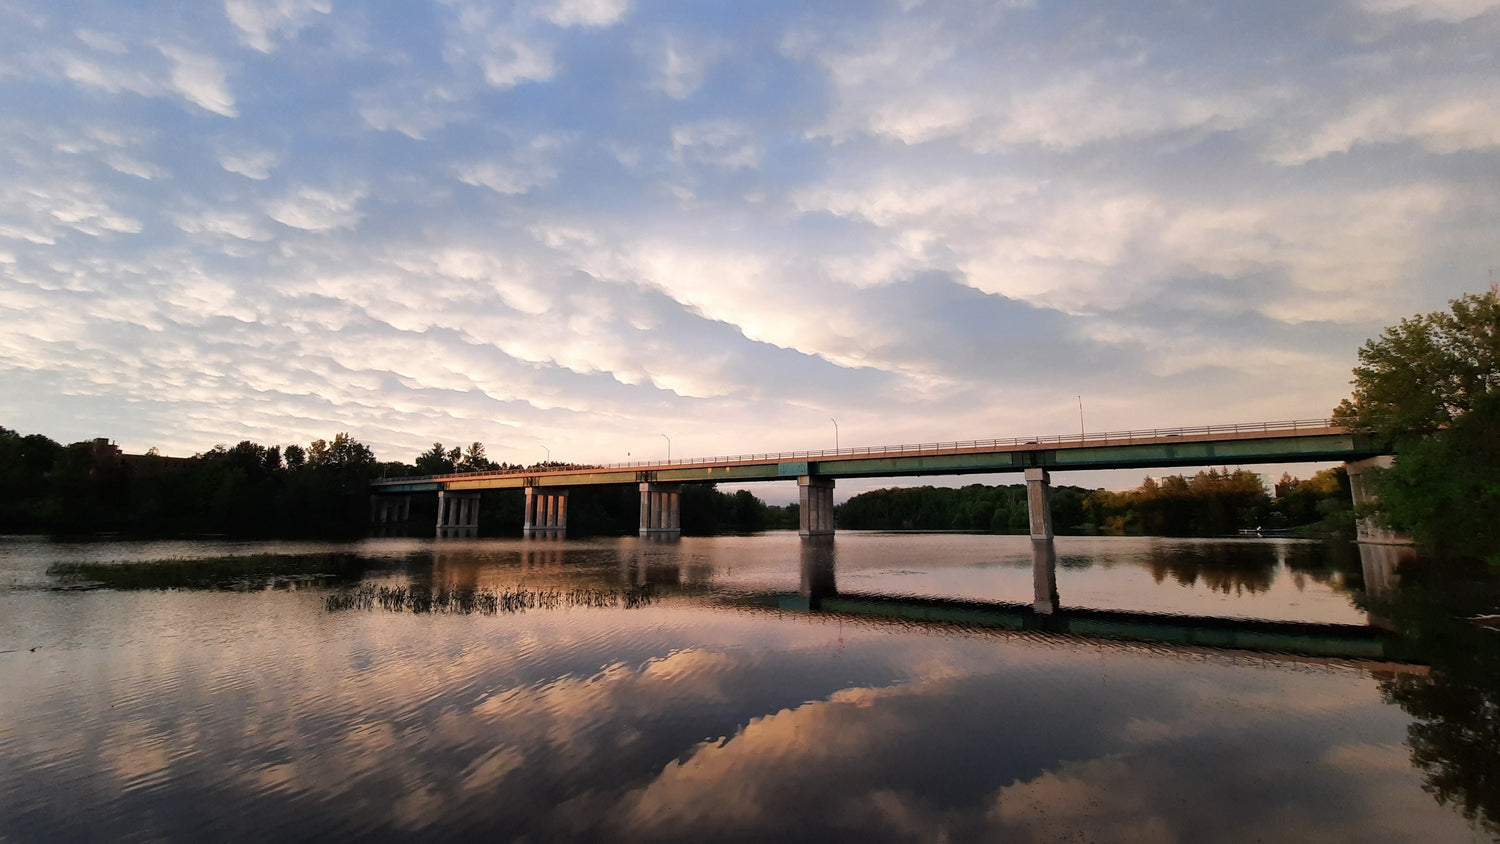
[815,506]
[385,509]
[1039,502]
[546,512]
[661,509]
[458,514]
[1362,488]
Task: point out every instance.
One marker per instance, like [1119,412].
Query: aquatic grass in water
[244,573]
[484,601]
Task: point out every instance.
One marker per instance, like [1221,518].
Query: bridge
[816,472]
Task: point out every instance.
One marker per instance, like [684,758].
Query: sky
[586,229]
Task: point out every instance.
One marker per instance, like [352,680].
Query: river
[880,687]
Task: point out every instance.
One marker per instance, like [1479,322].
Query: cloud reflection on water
[183,714]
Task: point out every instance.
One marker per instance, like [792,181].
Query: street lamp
[669,447]
[1081,434]
[549,453]
[835,433]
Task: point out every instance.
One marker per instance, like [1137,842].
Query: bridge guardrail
[1095,439]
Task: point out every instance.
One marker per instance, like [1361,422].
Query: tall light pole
[1081,434]
[669,447]
[549,453]
[835,433]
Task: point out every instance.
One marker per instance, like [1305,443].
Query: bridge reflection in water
[658,563]
[1047,614]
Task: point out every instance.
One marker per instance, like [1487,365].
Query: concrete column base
[815,506]
[661,510]
[388,509]
[546,512]
[1371,529]
[1039,502]
[458,515]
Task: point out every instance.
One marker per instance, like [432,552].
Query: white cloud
[722,143]
[240,226]
[200,80]
[111,79]
[39,211]
[501,178]
[102,41]
[593,13]
[1080,248]
[903,86]
[1450,11]
[510,61]
[312,209]
[1458,116]
[680,65]
[262,22]
[250,163]
[134,167]
[528,167]
[193,76]
[505,52]
[413,114]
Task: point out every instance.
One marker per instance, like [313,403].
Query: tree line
[245,490]
[317,490]
[1213,502]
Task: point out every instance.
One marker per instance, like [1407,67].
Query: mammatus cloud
[1441,122]
[589,223]
[1448,11]
[681,63]
[314,209]
[527,167]
[253,164]
[505,51]
[262,22]
[200,80]
[591,13]
[111,68]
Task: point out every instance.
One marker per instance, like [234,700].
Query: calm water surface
[705,689]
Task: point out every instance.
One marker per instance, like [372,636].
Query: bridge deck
[1261,442]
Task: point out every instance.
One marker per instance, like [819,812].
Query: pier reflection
[1044,575]
[1381,564]
[1047,613]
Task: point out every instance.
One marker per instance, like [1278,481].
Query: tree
[434,461]
[347,452]
[1445,489]
[1427,372]
[317,453]
[1431,388]
[474,459]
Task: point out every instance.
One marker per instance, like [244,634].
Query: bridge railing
[1085,439]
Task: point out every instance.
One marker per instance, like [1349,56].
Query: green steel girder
[925,464]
